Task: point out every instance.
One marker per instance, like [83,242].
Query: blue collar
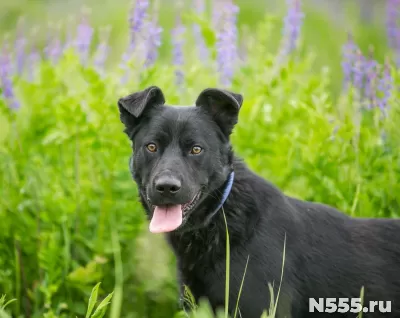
[227,190]
[225,195]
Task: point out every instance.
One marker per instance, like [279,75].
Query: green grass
[69,214]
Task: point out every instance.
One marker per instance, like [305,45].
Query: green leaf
[92,300]
[101,310]
[264,315]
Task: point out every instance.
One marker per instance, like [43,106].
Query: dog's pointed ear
[131,107]
[223,105]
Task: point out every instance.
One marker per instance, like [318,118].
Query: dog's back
[342,255]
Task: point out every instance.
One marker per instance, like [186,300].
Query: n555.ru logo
[343,305]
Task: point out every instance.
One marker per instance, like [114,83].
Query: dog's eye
[196,150]
[151,147]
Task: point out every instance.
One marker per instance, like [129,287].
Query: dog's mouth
[167,218]
[190,205]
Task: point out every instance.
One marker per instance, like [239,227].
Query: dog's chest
[198,253]
[199,257]
[204,277]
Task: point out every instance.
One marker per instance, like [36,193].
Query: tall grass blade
[241,287]
[227,267]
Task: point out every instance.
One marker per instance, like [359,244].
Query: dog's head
[182,156]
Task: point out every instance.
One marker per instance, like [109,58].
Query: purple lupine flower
[392,16]
[292,26]
[385,86]
[217,13]
[178,44]
[84,37]
[199,6]
[53,49]
[137,18]
[348,59]
[370,84]
[397,49]
[359,71]
[371,73]
[33,58]
[102,50]
[5,78]
[20,45]
[153,42]
[392,27]
[227,51]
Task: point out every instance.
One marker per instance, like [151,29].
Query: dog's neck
[225,190]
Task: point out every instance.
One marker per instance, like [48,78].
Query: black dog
[189,179]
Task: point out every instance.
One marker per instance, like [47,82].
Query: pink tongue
[166,218]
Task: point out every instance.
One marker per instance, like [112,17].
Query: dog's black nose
[168,185]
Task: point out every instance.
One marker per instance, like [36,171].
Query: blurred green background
[69,216]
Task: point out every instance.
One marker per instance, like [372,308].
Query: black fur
[328,254]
